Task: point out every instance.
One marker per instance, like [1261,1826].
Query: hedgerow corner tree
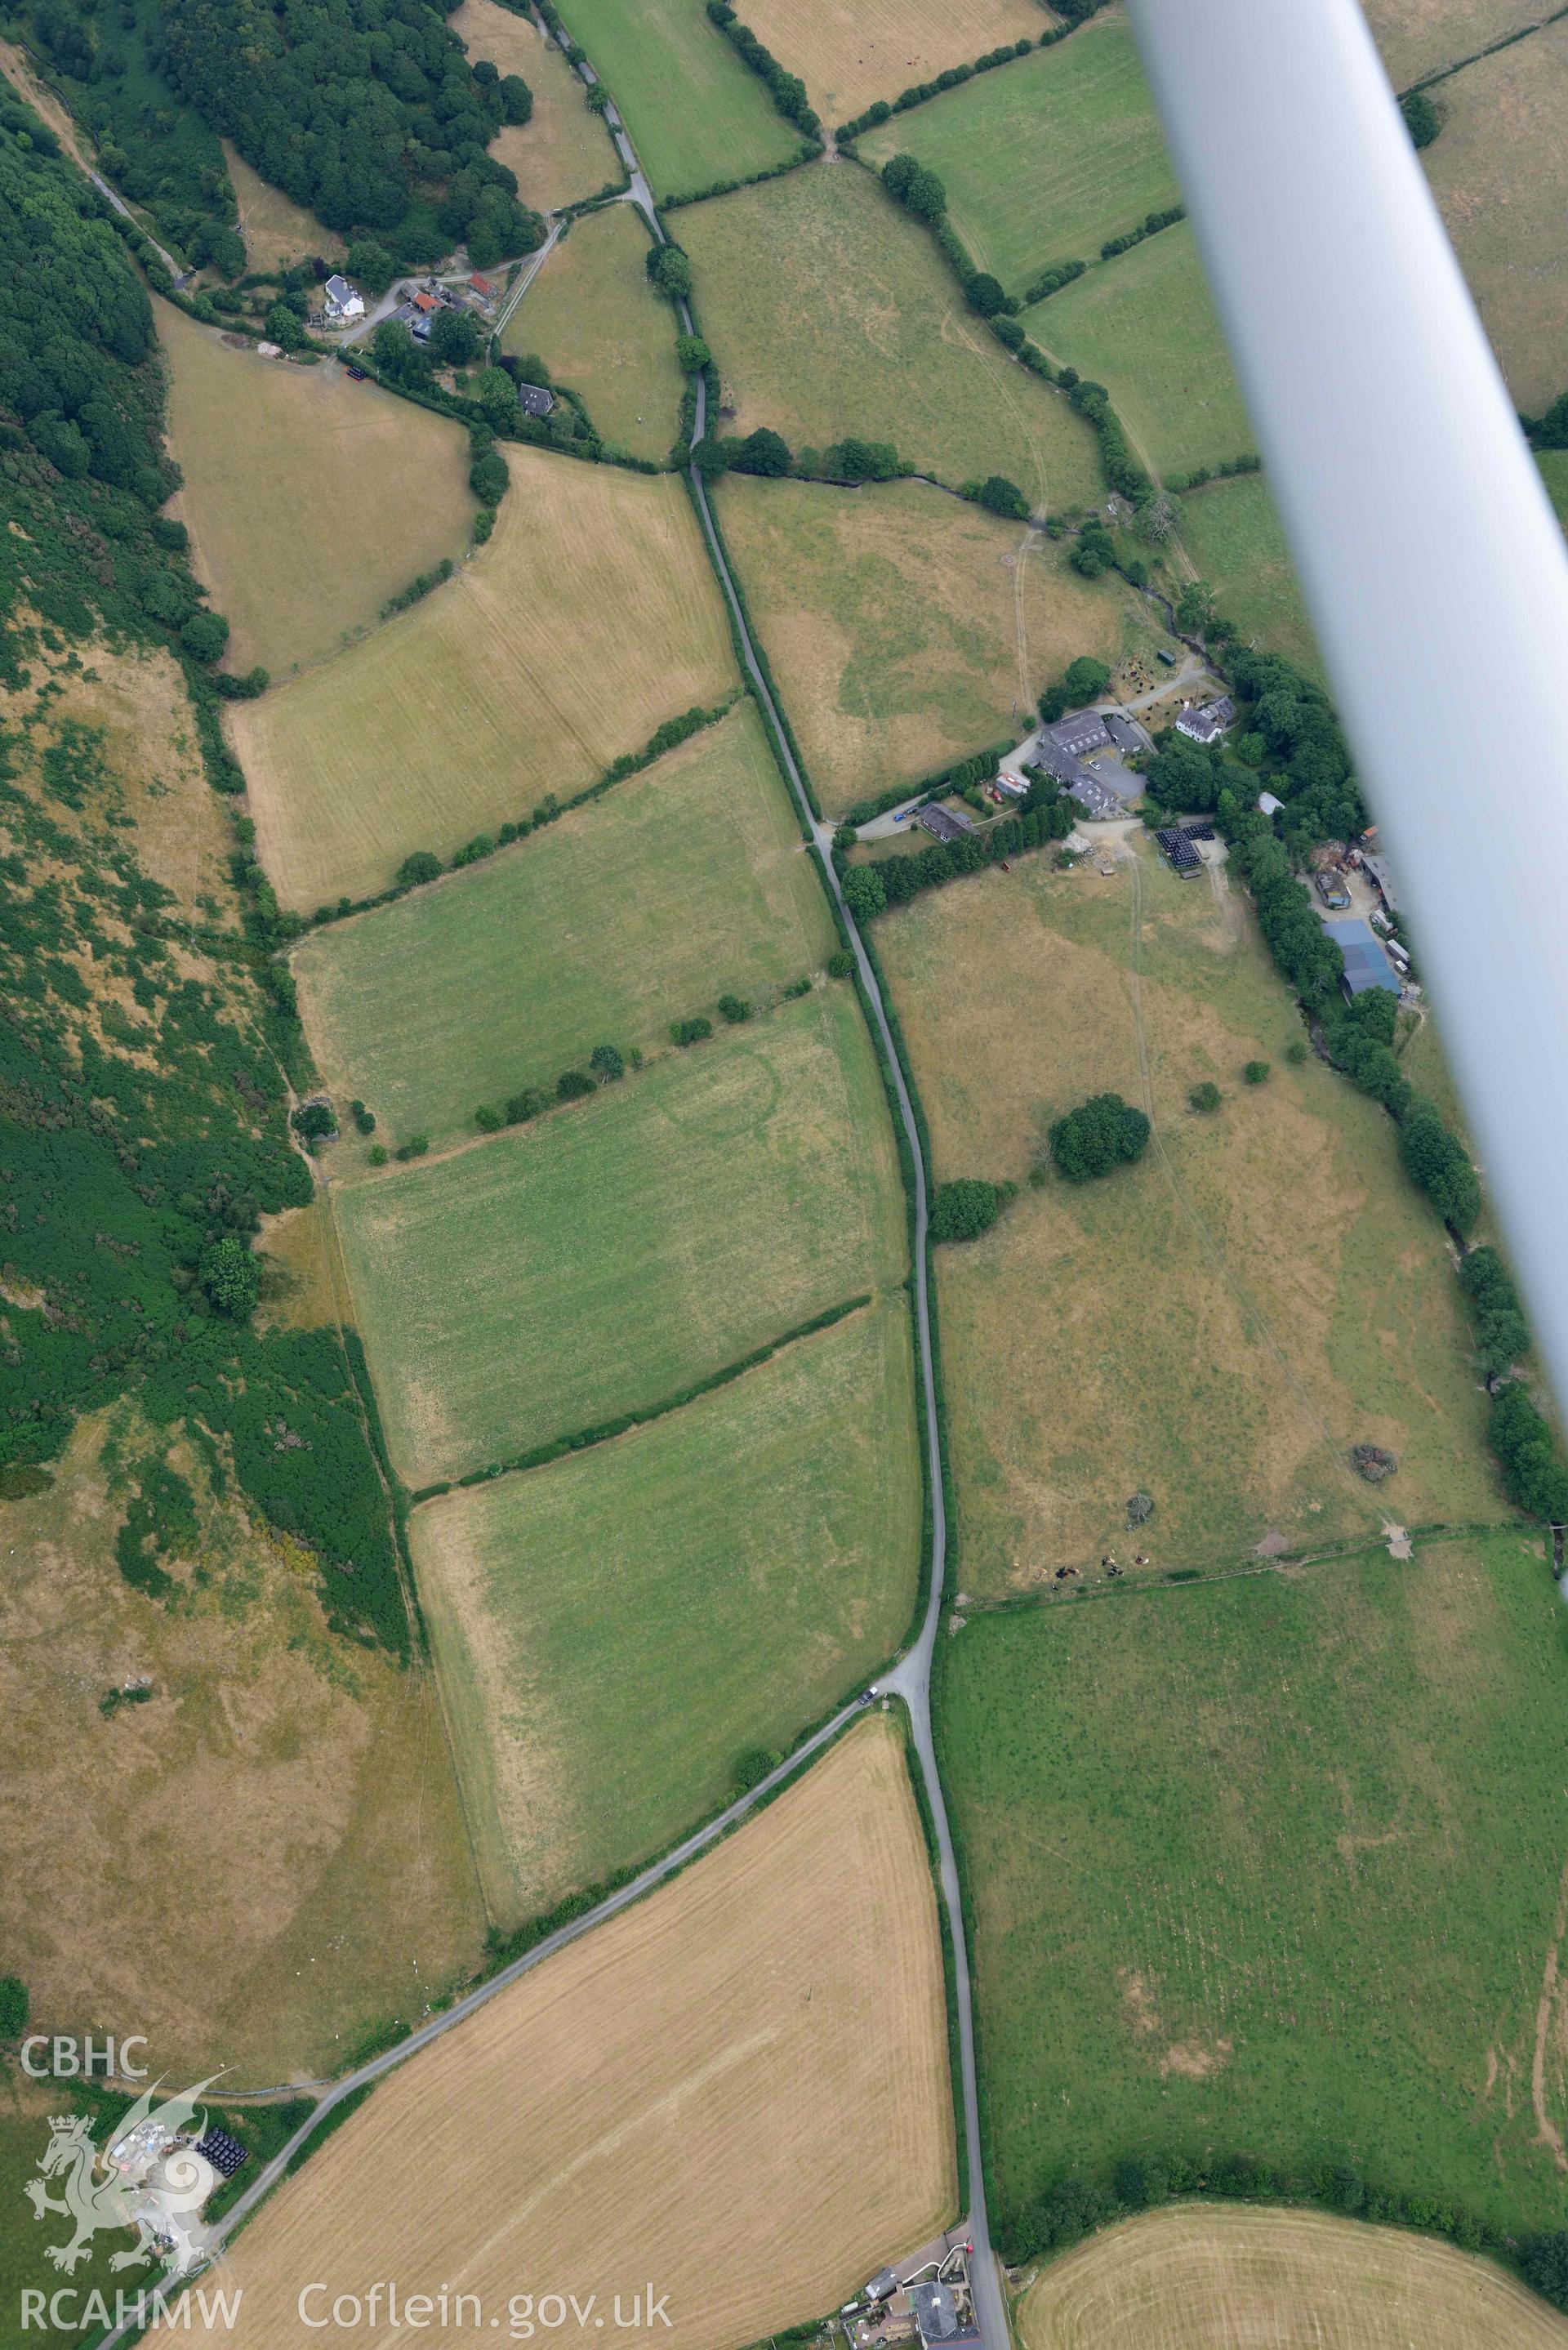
[964,1209]
[1101,1133]
[762,451]
[917,188]
[1000,496]
[865,893]
[670,269]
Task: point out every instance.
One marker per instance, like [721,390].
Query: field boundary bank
[543,813]
[1242,1569]
[586,1439]
[1508,41]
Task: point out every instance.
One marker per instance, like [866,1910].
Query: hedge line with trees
[142,1133]
[786,90]
[1075,13]
[871,889]
[1070,2205]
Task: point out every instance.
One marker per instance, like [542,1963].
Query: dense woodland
[364,111]
[143,1092]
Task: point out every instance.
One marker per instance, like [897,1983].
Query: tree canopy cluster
[1101,1134]
[365,113]
[964,1209]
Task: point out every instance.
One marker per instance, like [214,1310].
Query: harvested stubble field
[1231,532]
[1144,326]
[591,617]
[598,326]
[309,500]
[276,233]
[1228,2277]
[623,1249]
[1420,36]
[696,114]
[1215,1327]
[832,313]
[1276,1865]
[613,1632]
[290,1776]
[1500,174]
[847,54]
[738,2089]
[562,153]
[1044,159]
[906,630]
[681,883]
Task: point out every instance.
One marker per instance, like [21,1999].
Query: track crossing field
[1293,1882]
[597,324]
[590,617]
[738,2089]
[1144,326]
[1225,2277]
[1044,159]
[681,883]
[832,312]
[613,1253]
[906,629]
[1168,1330]
[694,112]
[613,1632]
[309,500]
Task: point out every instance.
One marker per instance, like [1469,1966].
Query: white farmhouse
[343,301]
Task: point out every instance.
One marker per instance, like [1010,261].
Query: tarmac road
[909,1680]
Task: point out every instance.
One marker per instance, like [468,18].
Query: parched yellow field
[906,629]
[590,617]
[309,500]
[738,2090]
[1215,1327]
[290,1776]
[276,231]
[1500,172]
[599,325]
[831,312]
[1418,36]
[848,54]
[1227,2277]
[562,153]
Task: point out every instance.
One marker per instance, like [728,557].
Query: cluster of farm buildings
[931,2307]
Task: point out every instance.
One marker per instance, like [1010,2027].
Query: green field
[1500,174]
[696,114]
[1231,531]
[622,1249]
[1553,464]
[906,629]
[612,1632]
[1274,1866]
[598,326]
[1044,159]
[1178,1329]
[680,884]
[1144,326]
[831,312]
